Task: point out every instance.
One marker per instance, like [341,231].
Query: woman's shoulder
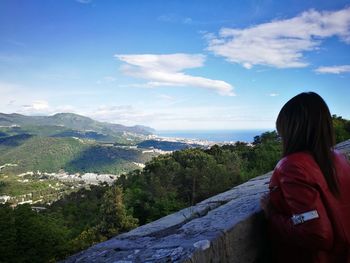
[340,156]
[341,162]
[296,160]
[299,166]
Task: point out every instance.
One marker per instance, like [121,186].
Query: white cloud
[247,65]
[334,69]
[36,107]
[167,70]
[273,94]
[280,43]
[39,105]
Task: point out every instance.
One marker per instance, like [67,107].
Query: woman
[308,207]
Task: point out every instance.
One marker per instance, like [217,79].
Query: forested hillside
[48,154]
[31,157]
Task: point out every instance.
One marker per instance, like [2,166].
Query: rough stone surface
[228,227]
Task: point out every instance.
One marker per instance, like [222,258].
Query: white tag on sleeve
[304,217]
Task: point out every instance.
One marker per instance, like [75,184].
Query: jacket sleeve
[301,196]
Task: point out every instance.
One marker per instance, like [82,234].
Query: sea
[213,135]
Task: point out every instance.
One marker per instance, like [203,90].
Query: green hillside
[48,154]
[27,153]
[43,153]
[107,159]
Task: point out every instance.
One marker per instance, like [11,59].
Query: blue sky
[173,64]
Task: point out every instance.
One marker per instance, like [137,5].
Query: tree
[86,239]
[341,128]
[27,236]
[7,234]
[114,216]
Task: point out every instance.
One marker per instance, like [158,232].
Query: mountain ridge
[72,121]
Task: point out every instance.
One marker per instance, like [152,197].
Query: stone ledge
[195,234]
[228,227]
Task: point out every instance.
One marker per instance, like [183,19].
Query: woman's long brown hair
[305,124]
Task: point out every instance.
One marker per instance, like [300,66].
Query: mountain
[72,121]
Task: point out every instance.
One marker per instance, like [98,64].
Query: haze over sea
[212,135]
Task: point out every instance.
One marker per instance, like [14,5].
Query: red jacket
[320,229]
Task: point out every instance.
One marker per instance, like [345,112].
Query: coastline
[209,137]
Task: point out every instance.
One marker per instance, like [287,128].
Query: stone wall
[228,227]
